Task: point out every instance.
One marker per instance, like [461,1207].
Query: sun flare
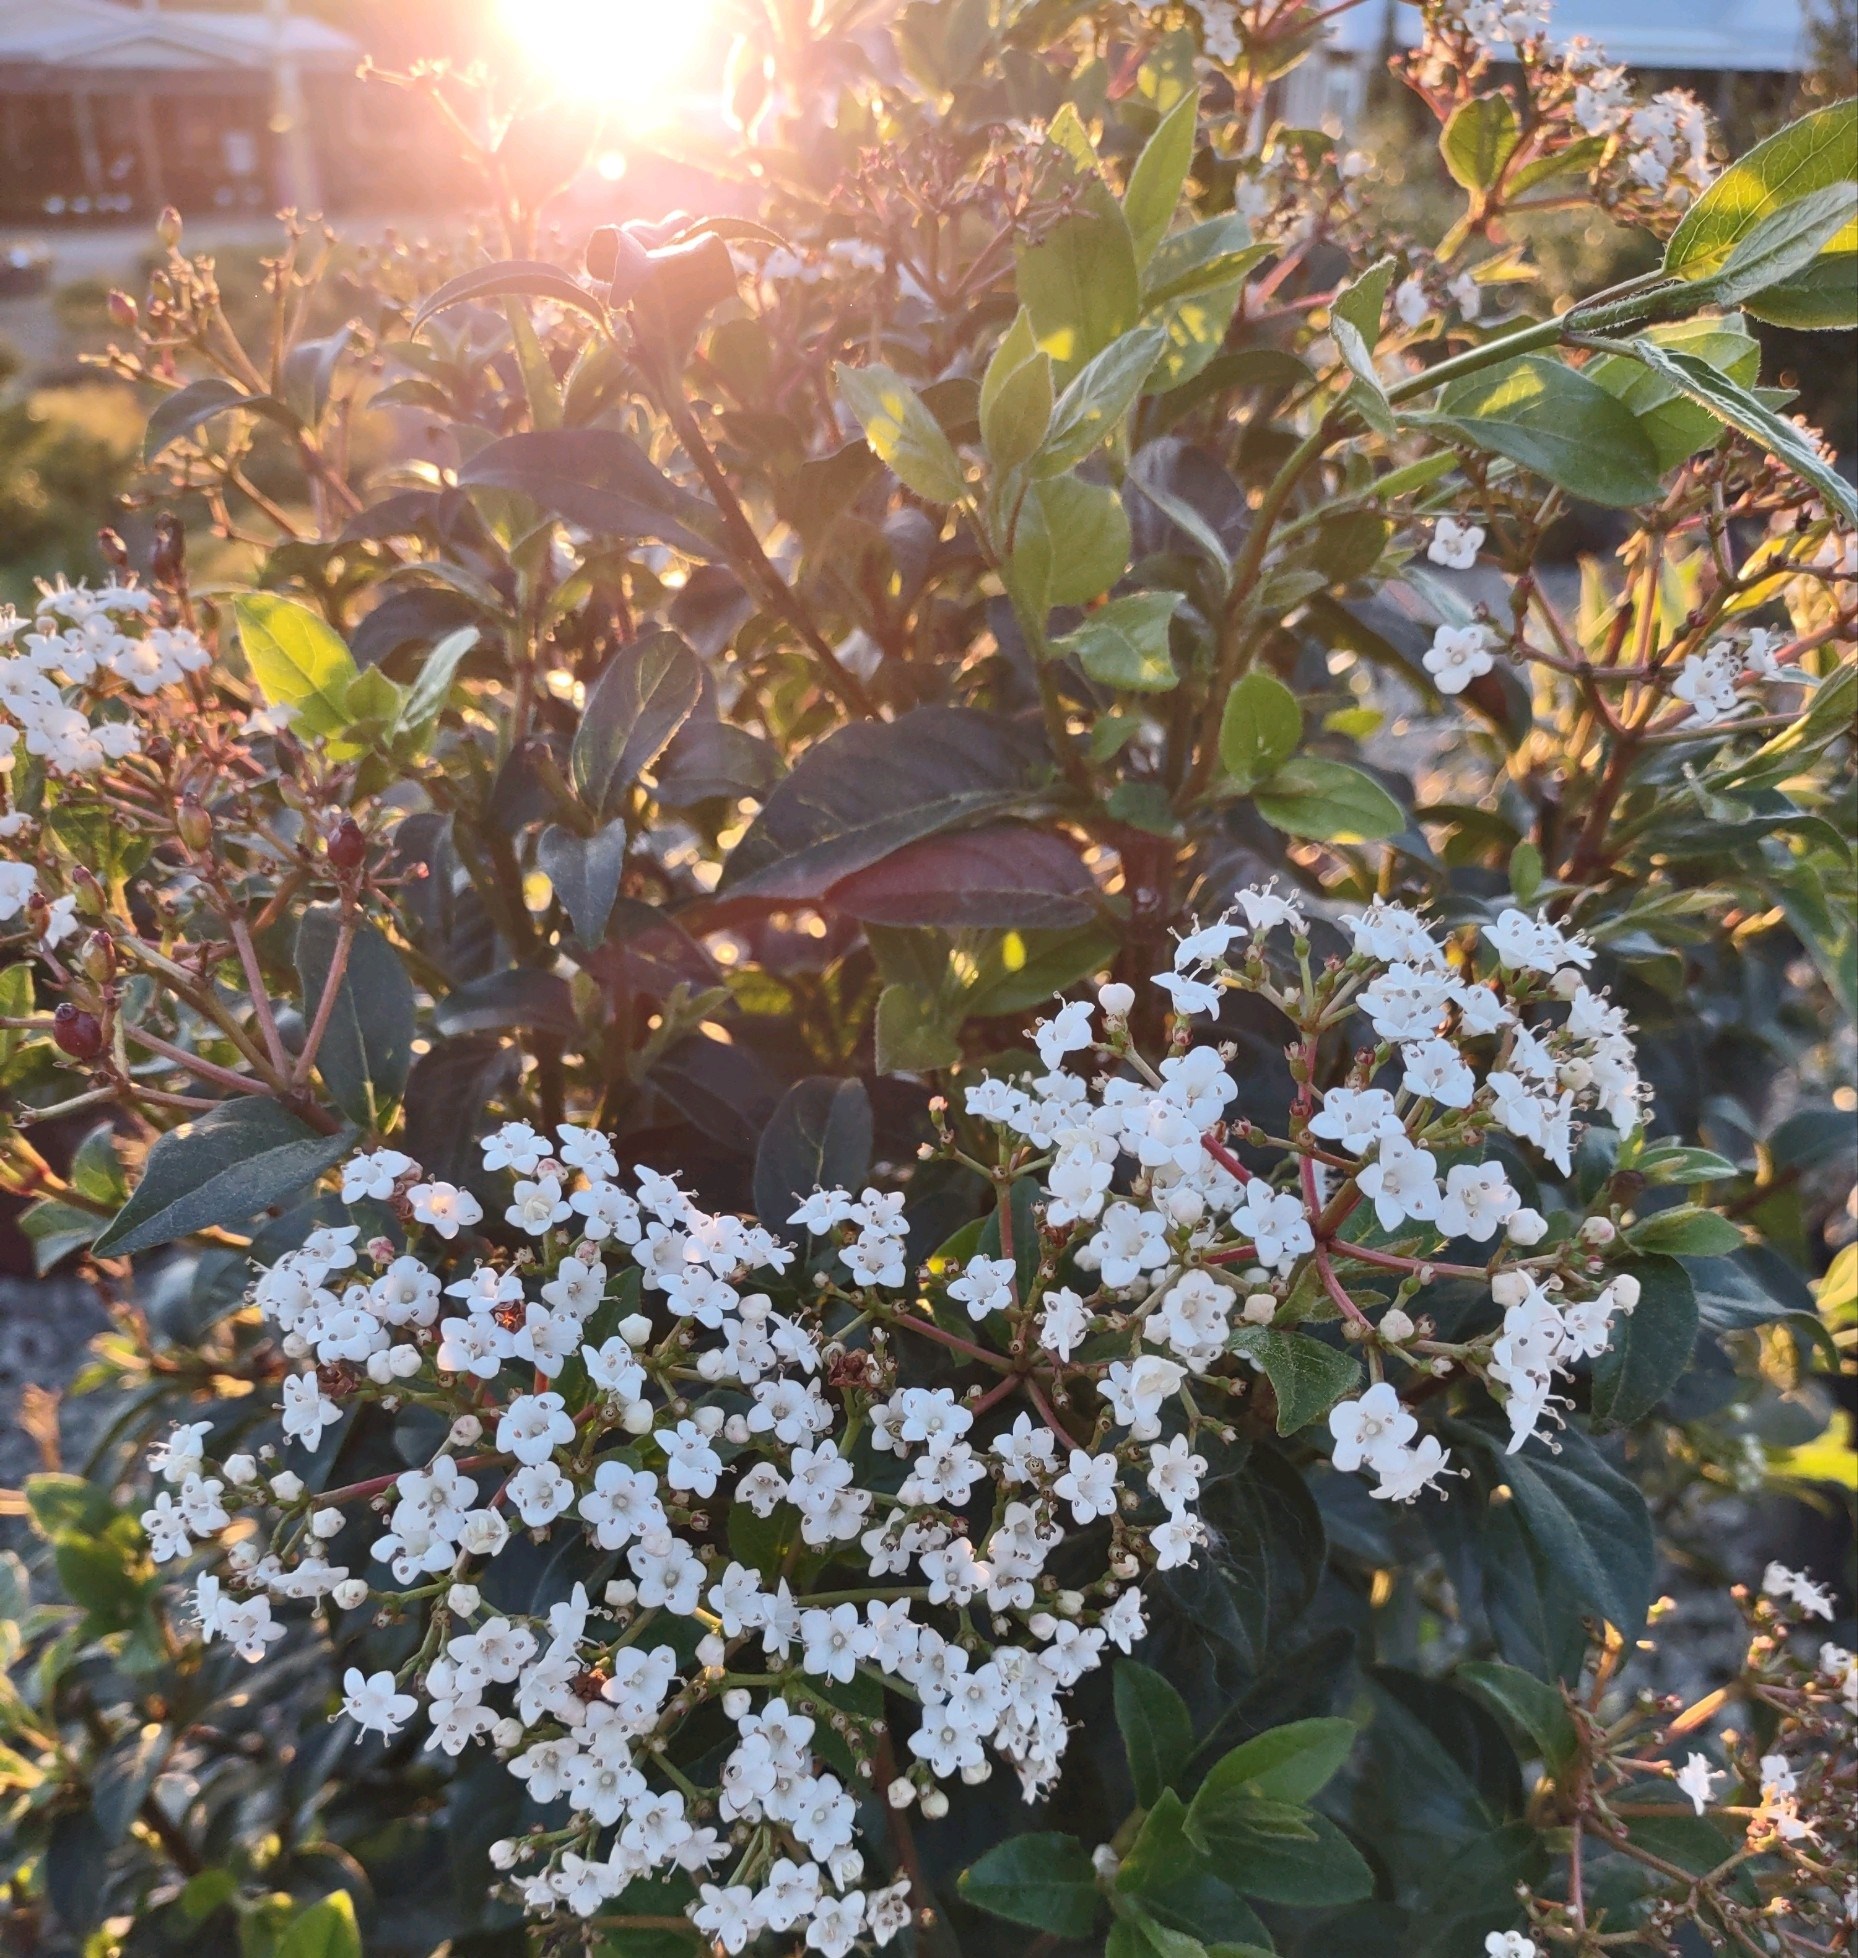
[636,57]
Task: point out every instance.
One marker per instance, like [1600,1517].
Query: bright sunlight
[635,57]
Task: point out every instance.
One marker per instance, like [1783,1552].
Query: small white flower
[1455,545]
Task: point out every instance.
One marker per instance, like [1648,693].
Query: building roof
[1737,36]
[59,39]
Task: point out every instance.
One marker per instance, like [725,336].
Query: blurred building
[109,108]
[1702,44]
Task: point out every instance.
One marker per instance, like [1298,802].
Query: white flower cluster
[71,673]
[730,1431]
[1709,682]
[69,666]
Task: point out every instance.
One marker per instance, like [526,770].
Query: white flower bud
[381,1366]
[901,1792]
[507,1733]
[1625,1289]
[465,1430]
[1116,999]
[463,1599]
[975,1772]
[351,1592]
[405,1361]
[1124,1565]
[1527,1227]
[712,1652]
[709,1420]
[1567,982]
[1576,1074]
[1510,1287]
[737,1702]
[326,1523]
[636,1329]
[621,1591]
[1105,1861]
[637,1419]
[935,1805]
[1069,1603]
[1396,1327]
[1041,1624]
[1186,1205]
[287,1485]
[1259,1309]
[295,1346]
[503,1854]
[1598,1230]
[736,1429]
[240,1470]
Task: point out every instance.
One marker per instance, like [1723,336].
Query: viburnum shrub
[956,1067]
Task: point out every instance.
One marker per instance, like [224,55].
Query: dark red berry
[80,1034]
[348,848]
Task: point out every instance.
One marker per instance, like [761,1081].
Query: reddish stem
[1393,1261]
[1333,1286]
[1225,1158]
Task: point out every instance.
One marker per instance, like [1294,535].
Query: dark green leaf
[1686,1231]
[1329,801]
[528,278]
[1587,1522]
[1558,423]
[585,871]
[1473,1893]
[818,1138]
[124,1777]
[645,695]
[67,1502]
[869,789]
[426,699]
[192,407]
[1740,409]
[1650,1345]
[1156,1728]
[1533,1706]
[1283,1764]
[1259,729]
[1070,546]
[56,1230]
[1254,1848]
[596,478]
[222,1169]
[1045,1881]
[518,997]
[914,1033]
[1307,1376]
[367,1046]
[1004,875]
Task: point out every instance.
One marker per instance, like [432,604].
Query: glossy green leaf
[902,431]
[1015,417]
[585,872]
[1328,800]
[1283,1764]
[1045,1881]
[647,692]
[1740,409]
[1308,1376]
[1533,1706]
[1156,1728]
[1685,1231]
[1558,423]
[221,1169]
[818,1138]
[1070,546]
[1650,1346]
